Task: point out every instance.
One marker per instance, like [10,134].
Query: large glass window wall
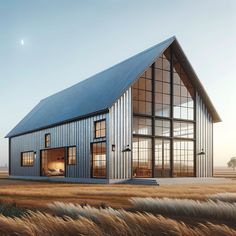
[163,120]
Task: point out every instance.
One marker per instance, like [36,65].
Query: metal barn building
[146,117]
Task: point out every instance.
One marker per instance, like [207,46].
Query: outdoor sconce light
[127,149]
[202,152]
[113,147]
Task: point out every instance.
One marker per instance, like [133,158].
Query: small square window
[27,158]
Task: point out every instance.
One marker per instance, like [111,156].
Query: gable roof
[97,93]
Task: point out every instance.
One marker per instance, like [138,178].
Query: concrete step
[139,181]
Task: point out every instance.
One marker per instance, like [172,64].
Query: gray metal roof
[95,94]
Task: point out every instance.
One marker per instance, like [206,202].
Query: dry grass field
[89,209]
[224,172]
[35,195]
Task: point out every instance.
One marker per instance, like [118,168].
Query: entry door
[98,160]
[162,158]
[142,157]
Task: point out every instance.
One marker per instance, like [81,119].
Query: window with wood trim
[47,140]
[71,155]
[100,129]
[27,158]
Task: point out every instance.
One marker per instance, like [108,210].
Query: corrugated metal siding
[204,139]
[79,133]
[121,136]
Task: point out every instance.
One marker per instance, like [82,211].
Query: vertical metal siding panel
[210,147]
[125,133]
[111,142]
[120,136]
[201,143]
[204,138]
[198,123]
[210,153]
[130,130]
[197,134]
[89,137]
[78,149]
[84,147]
[206,158]
[85,137]
[212,150]
[208,150]
[116,141]
[80,145]
[107,146]
[204,131]
[206,141]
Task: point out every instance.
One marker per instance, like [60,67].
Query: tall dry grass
[186,207]
[106,222]
[224,197]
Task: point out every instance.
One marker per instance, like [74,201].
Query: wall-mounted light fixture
[127,149]
[201,153]
[113,147]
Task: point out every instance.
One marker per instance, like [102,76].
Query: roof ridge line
[119,63]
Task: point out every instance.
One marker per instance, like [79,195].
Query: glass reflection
[142,157]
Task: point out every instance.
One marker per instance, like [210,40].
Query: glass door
[142,157]
[162,158]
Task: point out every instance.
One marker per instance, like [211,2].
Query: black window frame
[47,143]
[33,158]
[92,160]
[95,128]
[75,159]
[167,99]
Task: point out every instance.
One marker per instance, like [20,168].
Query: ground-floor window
[27,158]
[183,158]
[142,157]
[159,164]
[99,160]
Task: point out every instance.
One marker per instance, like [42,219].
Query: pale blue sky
[67,41]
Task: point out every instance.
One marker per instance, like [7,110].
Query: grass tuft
[11,209]
[224,197]
[186,207]
[73,219]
